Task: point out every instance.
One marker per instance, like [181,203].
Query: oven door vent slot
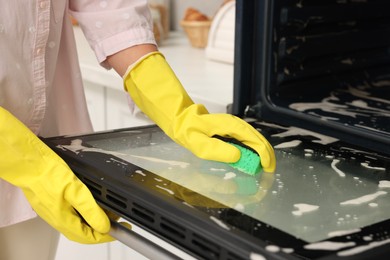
[92,186]
[173,230]
[205,247]
[142,214]
[116,199]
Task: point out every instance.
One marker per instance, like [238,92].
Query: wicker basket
[197,32]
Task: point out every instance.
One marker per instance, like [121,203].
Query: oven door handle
[139,243]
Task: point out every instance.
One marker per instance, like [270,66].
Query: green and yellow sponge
[249,161]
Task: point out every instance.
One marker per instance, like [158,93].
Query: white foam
[364,94]
[77,146]
[326,105]
[140,172]
[339,233]
[367,238]
[272,248]
[329,245]
[117,161]
[167,190]
[333,165]
[289,144]
[217,170]
[363,248]
[381,83]
[288,250]
[304,208]
[219,222]
[294,131]
[364,199]
[331,105]
[229,175]
[256,256]
[239,207]
[384,184]
[364,164]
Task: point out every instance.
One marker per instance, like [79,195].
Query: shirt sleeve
[113,25]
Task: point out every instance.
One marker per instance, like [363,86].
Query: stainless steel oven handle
[139,243]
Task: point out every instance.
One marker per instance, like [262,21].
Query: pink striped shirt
[40,80]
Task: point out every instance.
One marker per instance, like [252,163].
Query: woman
[41,94]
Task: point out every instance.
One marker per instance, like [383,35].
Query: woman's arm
[120,61]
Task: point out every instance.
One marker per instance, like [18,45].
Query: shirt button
[38,51]
[42,4]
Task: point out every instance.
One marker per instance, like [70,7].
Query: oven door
[326,199]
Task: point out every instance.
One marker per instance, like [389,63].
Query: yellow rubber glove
[52,189]
[158,93]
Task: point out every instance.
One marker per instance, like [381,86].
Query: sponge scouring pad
[249,161]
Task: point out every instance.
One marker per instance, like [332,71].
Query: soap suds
[333,165]
[289,144]
[272,248]
[304,208]
[340,233]
[367,238]
[353,109]
[288,250]
[76,146]
[140,172]
[364,199]
[217,170]
[229,175]
[167,190]
[256,256]
[371,167]
[326,105]
[295,131]
[189,205]
[117,161]
[363,248]
[384,184]
[239,207]
[364,94]
[329,245]
[219,222]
